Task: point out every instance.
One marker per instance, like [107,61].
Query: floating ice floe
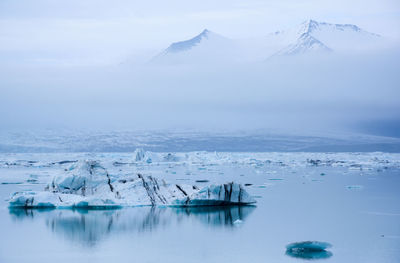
[309,250]
[88,185]
[202,181]
[351,161]
[354,187]
[143,156]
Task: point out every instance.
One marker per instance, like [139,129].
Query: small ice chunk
[142,156]
[309,245]
[309,250]
[238,222]
[202,181]
[354,187]
[139,154]
[170,158]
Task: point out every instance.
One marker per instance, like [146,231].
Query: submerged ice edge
[88,185]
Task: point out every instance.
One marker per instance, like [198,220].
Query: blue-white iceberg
[88,185]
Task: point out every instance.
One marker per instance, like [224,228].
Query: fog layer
[294,94]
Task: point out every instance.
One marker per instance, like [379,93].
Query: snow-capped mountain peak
[308,26]
[206,46]
[310,36]
[306,43]
[311,26]
[190,43]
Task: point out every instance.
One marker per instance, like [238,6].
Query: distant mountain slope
[312,36]
[191,43]
[205,47]
[309,37]
[305,43]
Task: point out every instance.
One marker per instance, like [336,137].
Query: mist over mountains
[310,37]
[313,77]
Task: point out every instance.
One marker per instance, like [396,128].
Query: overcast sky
[102,31]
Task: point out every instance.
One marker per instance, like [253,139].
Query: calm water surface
[358,212]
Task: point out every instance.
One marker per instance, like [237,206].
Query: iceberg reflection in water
[88,227]
[310,255]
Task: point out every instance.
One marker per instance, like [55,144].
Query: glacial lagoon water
[351,201]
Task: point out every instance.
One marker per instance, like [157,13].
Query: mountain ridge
[310,36]
[188,44]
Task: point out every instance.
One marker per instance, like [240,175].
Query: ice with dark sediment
[87,184]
